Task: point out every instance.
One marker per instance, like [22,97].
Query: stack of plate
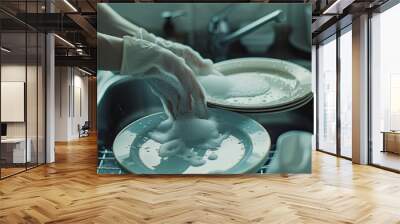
[298,91]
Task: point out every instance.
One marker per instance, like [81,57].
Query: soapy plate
[244,151]
[298,77]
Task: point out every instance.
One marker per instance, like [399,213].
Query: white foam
[248,84]
[250,89]
[178,137]
[229,154]
[213,156]
[183,130]
[189,129]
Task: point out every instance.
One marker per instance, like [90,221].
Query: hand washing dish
[244,150]
[258,85]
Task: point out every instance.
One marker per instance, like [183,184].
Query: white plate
[244,151]
[287,72]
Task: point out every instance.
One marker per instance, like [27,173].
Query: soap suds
[180,136]
[213,156]
[184,131]
[184,134]
[238,85]
[229,154]
[250,89]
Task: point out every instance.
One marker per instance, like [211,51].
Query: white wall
[69,82]
[61,103]
[16,73]
[78,118]
[13,100]
[33,126]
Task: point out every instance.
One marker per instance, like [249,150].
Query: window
[385,89]
[327,96]
[346,93]
[22,77]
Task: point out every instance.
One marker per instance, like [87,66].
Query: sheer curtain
[327,96]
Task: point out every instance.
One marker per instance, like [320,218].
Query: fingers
[165,97]
[199,101]
[192,58]
[138,56]
[197,96]
[168,96]
[176,66]
[175,84]
[197,63]
[171,94]
[193,98]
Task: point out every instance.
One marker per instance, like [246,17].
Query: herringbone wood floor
[70,191]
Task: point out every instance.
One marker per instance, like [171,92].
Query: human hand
[193,59]
[168,75]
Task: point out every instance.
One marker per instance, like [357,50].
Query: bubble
[238,85]
[213,156]
[250,89]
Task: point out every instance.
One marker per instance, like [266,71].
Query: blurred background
[202,25]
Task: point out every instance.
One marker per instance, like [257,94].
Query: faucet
[221,36]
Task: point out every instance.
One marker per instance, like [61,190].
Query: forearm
[111,23]
[109,52]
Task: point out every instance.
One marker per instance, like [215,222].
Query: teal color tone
[253,136]
[293,153]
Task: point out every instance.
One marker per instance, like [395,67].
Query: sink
[130,100]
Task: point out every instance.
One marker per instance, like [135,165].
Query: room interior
[48,94]
[22,102]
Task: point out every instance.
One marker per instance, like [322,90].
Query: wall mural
[204,88]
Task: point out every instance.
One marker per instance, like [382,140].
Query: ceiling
[76,25]
[332,15]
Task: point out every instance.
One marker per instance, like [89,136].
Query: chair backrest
[293,153]
[86,124]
